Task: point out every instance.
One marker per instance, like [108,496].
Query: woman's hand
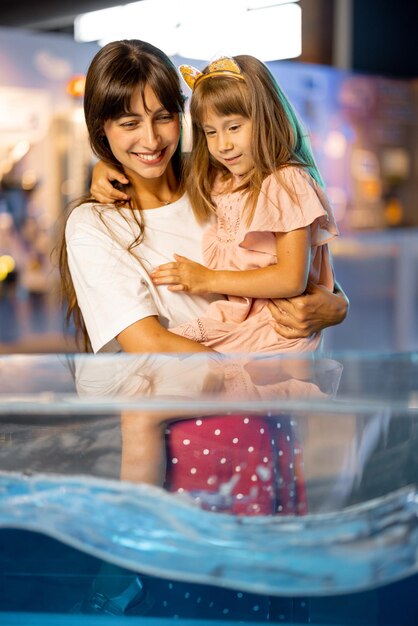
[183,275]
[101,184]
[309,313]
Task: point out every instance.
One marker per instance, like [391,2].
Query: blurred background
[349,68]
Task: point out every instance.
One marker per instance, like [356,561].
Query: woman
[133,106]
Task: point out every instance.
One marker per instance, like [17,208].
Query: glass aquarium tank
[204,489]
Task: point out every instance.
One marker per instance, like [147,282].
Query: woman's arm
[285,279]
[147,335]
[317,309]
[101,183]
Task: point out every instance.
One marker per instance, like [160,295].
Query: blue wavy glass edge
[145,529]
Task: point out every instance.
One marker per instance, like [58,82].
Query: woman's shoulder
[91,207]
[87,215]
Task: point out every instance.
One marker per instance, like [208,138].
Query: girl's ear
[189,74]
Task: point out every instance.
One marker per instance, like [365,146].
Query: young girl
[251,165]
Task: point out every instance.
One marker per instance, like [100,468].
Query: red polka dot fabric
[244,465]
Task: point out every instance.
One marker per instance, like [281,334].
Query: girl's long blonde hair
[115,74]
[278,139]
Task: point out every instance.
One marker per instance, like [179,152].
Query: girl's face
[229,141]
[144,140]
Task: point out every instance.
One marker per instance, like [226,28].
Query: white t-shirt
[113,286]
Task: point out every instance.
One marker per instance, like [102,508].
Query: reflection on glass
[277,473]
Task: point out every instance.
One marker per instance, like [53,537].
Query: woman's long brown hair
[117,71]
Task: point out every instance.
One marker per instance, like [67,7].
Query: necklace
[150,202]
[170,200]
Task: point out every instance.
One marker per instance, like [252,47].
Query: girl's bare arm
[285,279]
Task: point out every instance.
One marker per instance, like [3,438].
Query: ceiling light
[267,29]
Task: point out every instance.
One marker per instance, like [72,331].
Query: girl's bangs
[224,96]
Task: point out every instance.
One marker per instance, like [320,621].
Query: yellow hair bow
[225,66]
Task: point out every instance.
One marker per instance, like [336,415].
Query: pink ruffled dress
[245,324]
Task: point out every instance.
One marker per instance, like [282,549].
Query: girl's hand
[101,184]
[183,275]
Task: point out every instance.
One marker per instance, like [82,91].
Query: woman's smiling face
[144,139]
